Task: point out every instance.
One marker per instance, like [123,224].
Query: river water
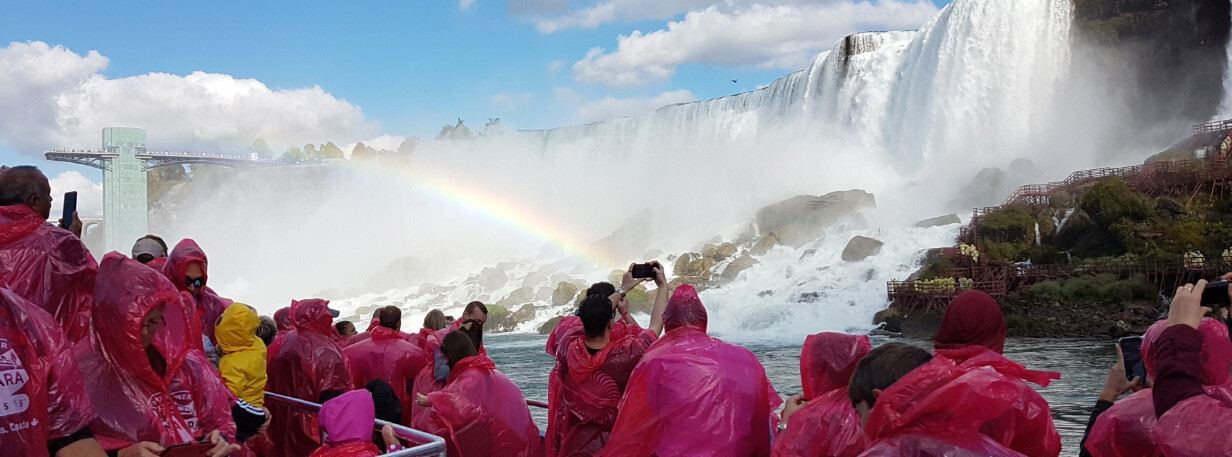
[1082,364]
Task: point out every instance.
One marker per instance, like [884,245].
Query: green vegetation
[1108,220]
[1102,290]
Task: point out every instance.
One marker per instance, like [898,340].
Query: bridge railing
[433,445]
[1215,126]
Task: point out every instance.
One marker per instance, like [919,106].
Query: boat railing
[433,445]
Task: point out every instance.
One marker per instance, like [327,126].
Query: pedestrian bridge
[124,160]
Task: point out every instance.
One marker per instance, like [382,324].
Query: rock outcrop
[860,248]
[801,219]
[938,221]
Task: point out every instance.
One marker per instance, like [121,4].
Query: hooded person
[387,356]
[827,425]
[188,268]
[972,333]
[147,382]
[42,384]
[282,318]
[347,422]
[693,394]
[479,412]
[1194,425]
[310,366]
[1130,427]
[917,405]
[573,323]
[43,263]
[243,367]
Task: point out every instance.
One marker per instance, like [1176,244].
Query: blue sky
[388,68]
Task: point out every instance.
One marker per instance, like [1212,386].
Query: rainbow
[439,184]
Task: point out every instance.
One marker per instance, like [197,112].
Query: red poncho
[481,413]
[41,390]
[693,394]
[972,334]
[938,409]
[426,382]
[387,356]
[209,305]
[48,266]
[585,390]
[1127,429]
[828,425]
[306,364]
[131,401]
[1197,426]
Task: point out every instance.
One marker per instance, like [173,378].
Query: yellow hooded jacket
[243,354]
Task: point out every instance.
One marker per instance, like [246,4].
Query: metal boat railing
[434,445]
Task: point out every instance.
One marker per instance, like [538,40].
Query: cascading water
[896,113]
[907,116]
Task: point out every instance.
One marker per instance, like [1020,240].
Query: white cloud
[89,194]
[620,11]
[52,97]
[511,101]
[765,36]
[611,108]
[465,5]
[556,66]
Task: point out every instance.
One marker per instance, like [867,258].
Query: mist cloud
[759,35]
[54,97]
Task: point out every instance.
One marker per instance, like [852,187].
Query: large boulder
[938,221]
[801,219]
[733,269]
[564,293]
[550,325]
[989,187]
[860,248]
[694,265]
[517,297]
[764,244]
[533,279]
[492,278]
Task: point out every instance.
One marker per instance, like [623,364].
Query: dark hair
[341,326]
[603,288]
[475,331]
[435,320]
[391,317]
[596,314]
[267,330]
[881,368]
[456,346]
[19,183]
[473,305]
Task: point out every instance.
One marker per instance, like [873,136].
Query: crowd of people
[136,355]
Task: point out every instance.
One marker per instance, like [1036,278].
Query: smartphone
[643,270]
[1131,348]
[70,207]
[188,450]
[1216,294]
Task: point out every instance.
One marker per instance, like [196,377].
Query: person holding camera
[593,366]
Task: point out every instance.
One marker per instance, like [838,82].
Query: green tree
[331,151]
[261,149]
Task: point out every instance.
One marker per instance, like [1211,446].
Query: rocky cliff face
[1163,60]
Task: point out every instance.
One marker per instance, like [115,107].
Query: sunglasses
[194,282]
